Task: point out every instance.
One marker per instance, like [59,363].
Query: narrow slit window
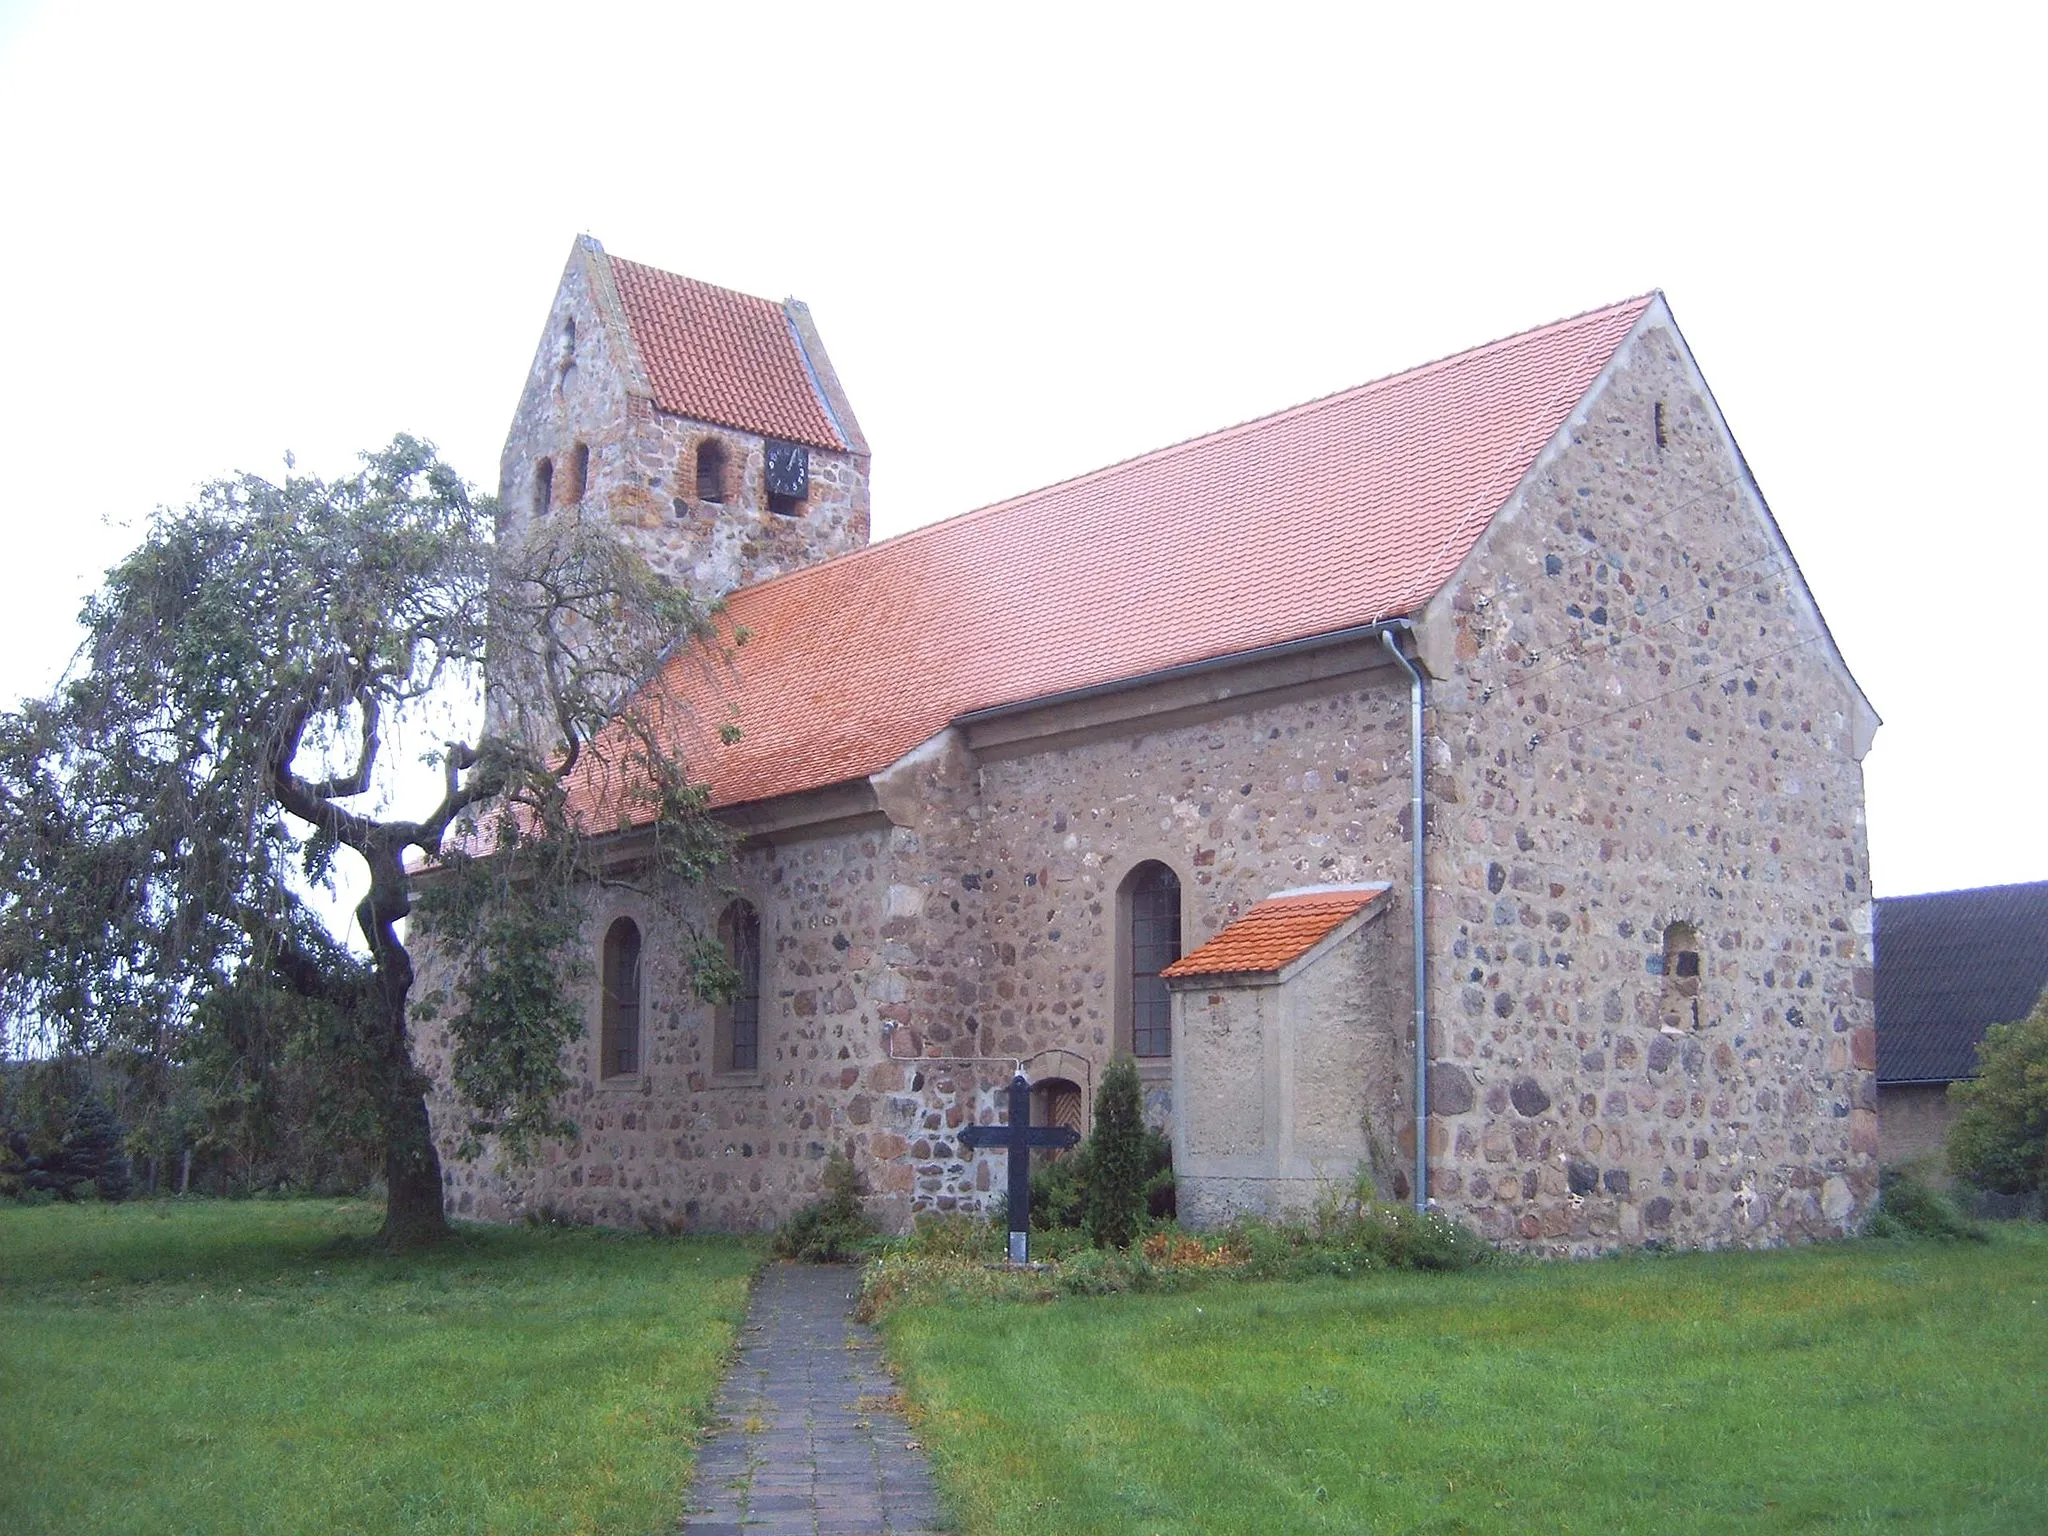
[579,472]
[543,487]
[1682,977]
[619,1037]
[738,1042]
[710,471]
[565,353]
[1154,939]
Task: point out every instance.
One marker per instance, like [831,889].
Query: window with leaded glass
[1154,917]
[738,1043]
[619,1033]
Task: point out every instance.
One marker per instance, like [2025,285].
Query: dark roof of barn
[1950,965]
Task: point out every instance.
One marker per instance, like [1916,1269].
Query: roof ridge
[1217,435]
[1970,890]
[695,282]
[1328,892]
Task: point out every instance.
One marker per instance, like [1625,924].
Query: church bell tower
[706,426]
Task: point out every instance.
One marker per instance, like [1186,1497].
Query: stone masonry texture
[1636,720]
[1644,727]
[641,477]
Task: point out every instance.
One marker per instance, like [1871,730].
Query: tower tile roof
[1347,510]
[1276,932]
[716,355]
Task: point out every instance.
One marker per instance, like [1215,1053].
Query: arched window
[736,1035]
[619,1033]
[543,487]
[579,472]
[1148,911]
[711,470]
[1682,976]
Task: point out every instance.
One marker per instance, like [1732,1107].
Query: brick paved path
[812,1438]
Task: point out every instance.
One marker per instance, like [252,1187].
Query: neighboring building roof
[1276,932]
[1950,965]
[1345,511]
[715,355]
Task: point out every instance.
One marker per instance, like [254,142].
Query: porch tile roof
[1276,932]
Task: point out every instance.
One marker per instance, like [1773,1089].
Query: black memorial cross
[1017,1139]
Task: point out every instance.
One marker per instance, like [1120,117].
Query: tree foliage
[58,1135]
[1999,1141]
[249,672]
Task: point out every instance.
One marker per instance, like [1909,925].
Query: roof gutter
[1417,914]
[1322,642]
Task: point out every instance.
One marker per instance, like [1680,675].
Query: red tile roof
[1276,932]
[1344,511]
[720,356]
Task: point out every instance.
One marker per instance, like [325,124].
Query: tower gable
[707,426]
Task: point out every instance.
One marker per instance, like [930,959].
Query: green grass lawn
[1862,1386]
[256,1366]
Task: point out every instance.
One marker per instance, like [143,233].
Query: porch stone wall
[1288,1085]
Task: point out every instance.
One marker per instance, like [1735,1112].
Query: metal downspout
[1416,915]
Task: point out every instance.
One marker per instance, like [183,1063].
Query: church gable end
[1652,975]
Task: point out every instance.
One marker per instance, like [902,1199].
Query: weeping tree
[233,731]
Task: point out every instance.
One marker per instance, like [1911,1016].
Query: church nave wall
[1302,792]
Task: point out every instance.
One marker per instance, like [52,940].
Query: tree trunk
[413,1213]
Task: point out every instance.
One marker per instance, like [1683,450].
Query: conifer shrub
[58,1137]
[1059,1187]
[1119,1159]
[835,1228]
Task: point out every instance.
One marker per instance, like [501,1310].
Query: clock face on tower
[789,470]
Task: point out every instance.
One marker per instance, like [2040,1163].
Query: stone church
[1463,750]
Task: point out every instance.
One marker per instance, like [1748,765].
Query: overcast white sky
[1040,245]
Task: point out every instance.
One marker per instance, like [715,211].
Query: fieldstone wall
[1307,790]
[911,968]
[678,1143]
[1640,722]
